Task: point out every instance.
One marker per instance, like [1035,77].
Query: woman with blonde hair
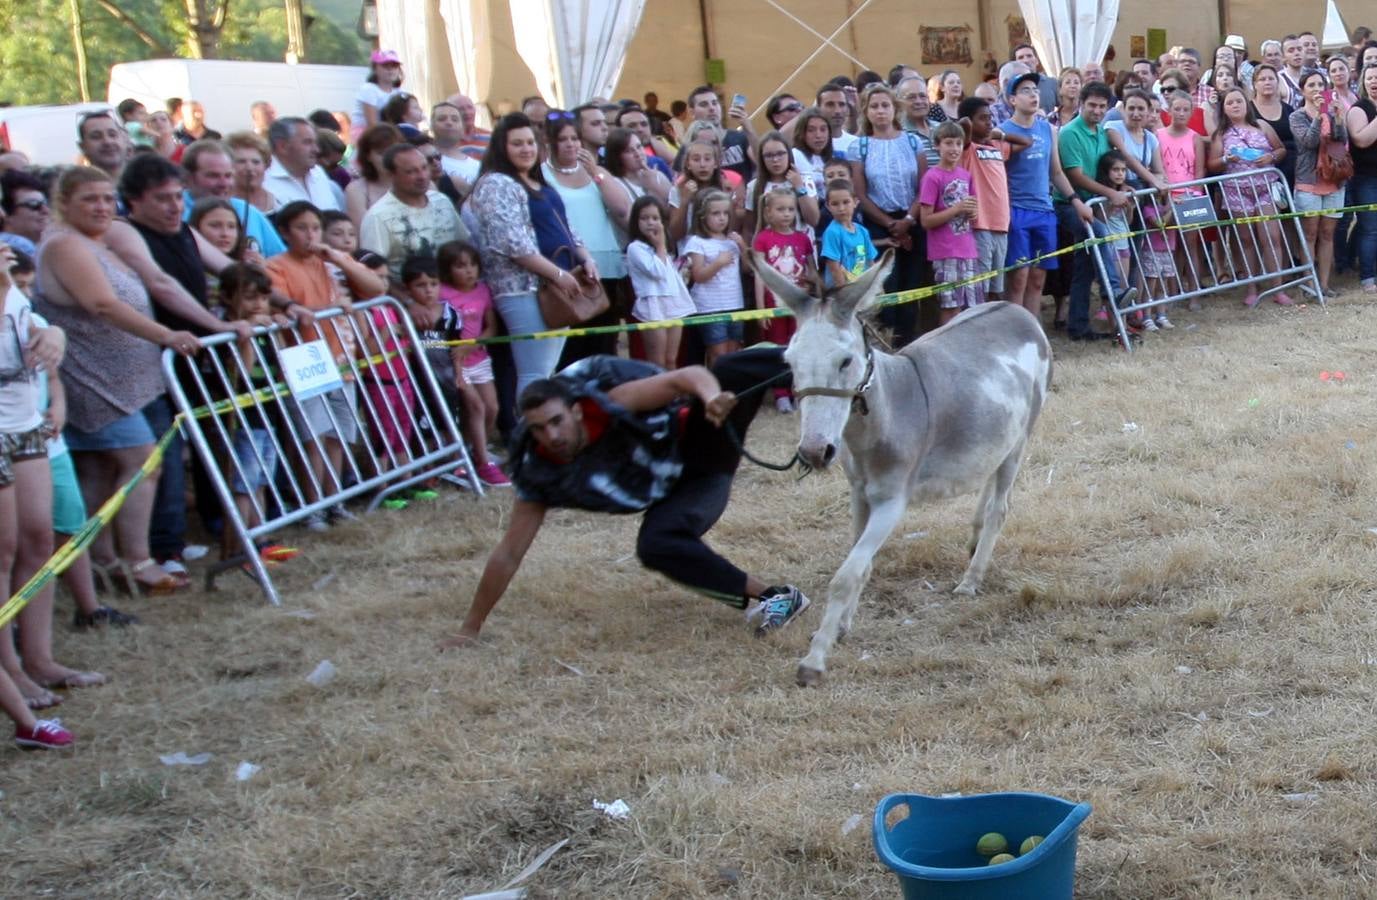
[251,157]
[1069,82]
[112,370]
[886,169]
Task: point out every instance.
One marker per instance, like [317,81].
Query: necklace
[569,171]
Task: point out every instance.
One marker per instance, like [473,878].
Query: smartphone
[739,100]
[1328,96]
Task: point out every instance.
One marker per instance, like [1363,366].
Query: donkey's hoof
[808,677]
[966,589]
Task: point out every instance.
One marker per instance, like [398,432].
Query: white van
[227,88]
[47,135]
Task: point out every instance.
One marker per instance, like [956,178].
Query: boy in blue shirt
[847,250]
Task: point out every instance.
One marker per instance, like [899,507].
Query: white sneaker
[1163,321]
[1149,325]
[784,404]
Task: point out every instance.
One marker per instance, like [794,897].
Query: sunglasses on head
[556,115]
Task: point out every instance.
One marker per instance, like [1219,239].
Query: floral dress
[1245,196]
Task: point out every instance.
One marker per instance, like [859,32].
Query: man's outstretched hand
[718,408]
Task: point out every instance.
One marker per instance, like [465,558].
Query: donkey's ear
[858,296]
[799,301]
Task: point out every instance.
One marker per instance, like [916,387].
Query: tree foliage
[40,60]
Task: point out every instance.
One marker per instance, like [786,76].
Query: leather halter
[856,395]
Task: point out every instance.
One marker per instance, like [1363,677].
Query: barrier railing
[304,418]
[1170,258]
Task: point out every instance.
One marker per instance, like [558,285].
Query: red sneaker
[47,734]
[492,476]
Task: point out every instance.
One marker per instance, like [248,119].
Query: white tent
[1070,32]
[1335,34]
[575,48]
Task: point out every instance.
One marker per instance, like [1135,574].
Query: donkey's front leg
[845,589]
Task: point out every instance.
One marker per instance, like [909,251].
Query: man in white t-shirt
[412,219]
[447,127]
[294,174]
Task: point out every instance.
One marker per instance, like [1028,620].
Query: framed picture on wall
[946,45]
[1018,31]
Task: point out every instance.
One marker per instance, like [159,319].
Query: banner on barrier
[309,369]
[1194,211]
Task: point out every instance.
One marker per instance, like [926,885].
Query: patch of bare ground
[1178,627]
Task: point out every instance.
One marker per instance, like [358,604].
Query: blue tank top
[553,236]
[1029,180]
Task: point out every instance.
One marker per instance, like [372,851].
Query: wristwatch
[802,192]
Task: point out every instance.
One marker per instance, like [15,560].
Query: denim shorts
[251,474]
[1307,201]
[129,431]
[721,332]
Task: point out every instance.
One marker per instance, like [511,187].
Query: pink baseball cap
[386,57]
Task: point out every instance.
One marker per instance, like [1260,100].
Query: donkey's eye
[844,364]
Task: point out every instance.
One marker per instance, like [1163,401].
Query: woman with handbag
[526,246]
[1323,167]
[573,171]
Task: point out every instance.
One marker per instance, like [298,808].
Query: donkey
[947,415]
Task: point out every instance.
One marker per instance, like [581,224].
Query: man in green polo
[1081,143]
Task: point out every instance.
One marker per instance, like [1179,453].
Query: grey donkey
[949,414]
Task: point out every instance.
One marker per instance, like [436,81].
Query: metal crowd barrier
[262,388]
[1253,252]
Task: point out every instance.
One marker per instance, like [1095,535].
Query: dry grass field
[1179,627]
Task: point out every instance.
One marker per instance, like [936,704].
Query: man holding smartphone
[736,142]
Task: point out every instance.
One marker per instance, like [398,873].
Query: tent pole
[1226,26]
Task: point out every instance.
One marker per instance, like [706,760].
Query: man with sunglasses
[26,210]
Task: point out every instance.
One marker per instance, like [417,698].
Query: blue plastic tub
[933,852]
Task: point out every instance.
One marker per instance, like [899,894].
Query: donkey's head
[828,354]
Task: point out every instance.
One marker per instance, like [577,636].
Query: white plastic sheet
[1069,32]
[470,48]
[575,48]
[416,30]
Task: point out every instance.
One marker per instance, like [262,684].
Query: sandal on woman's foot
[74,679]
[1250,300]
[161,585]
[45,700]
[1282,300]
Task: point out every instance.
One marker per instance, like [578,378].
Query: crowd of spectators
[168,231]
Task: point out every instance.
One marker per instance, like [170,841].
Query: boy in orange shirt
[986,150]
[304,274]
